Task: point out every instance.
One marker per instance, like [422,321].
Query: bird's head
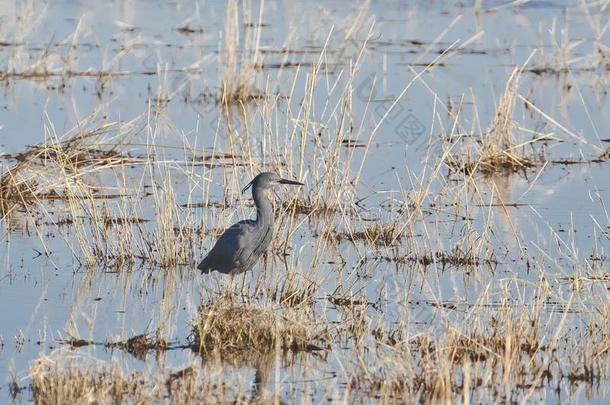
[268,180]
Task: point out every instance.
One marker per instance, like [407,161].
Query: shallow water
[543,224]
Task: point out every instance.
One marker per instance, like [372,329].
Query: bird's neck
[264,208]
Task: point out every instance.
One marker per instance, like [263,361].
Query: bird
[239,247]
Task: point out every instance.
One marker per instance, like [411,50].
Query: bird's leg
[218,287]
[242,291]
[230,289]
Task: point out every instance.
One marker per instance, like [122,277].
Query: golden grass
[38,171]
[508,355]
[224,327]
[376,234]
[496,151]
[238,85]
[72,381]
[54,383]
[472,344]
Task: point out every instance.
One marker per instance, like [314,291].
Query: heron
[240,246]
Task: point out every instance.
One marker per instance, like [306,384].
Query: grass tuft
[225,328]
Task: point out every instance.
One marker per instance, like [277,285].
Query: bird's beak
[294,183]
[246,188]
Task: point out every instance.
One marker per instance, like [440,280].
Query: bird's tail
[204,266]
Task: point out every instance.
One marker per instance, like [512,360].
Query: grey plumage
[241,245]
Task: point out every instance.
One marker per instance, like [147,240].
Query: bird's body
[240,246]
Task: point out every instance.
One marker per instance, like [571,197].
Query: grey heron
[241,245]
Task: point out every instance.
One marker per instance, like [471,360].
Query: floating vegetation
[139,345]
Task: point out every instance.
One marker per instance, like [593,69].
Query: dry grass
[54,383]
[239,83]
[452,312]
[71,381]
[59,168]
[376,234]
[508,357]
[225,328]
[496,151]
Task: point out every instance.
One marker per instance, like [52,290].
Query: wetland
[449,244]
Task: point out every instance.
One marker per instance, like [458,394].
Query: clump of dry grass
[72,381]
[510,354]
[15,190]
[307,207]
[500,151]
[54,382]
[238,83]
[454,258]
[377,234]
[496,151]
[291,293]
[59,168]
[225,328]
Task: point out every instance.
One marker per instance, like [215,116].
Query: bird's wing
[230,248]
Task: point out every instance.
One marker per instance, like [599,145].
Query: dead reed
[225,327]
[495,151]
[69,381]
[445,299]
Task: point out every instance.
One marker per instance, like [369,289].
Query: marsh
[450,244]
